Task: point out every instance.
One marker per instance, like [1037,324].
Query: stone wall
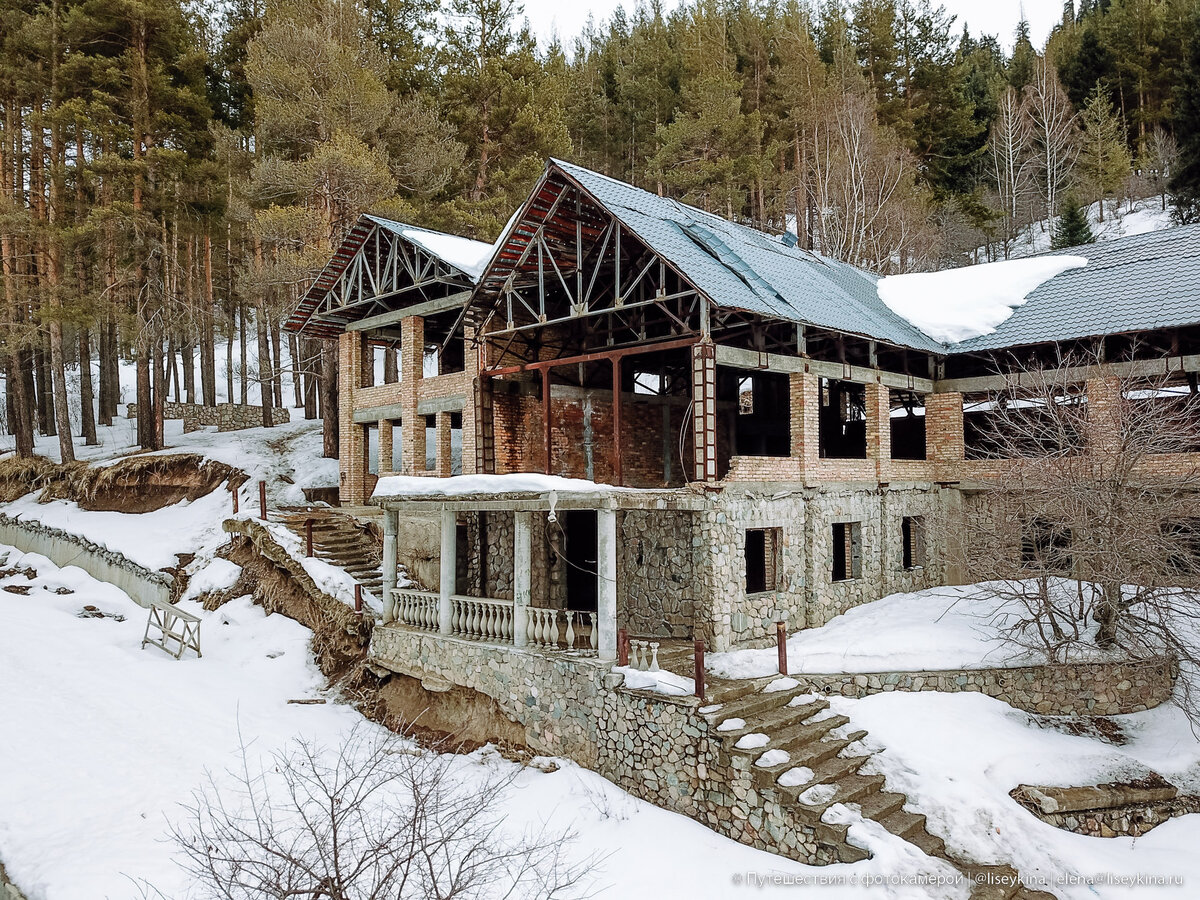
[65,549]
[806,595]
[655,747]
[656,572]
[1079,689]
[226,416]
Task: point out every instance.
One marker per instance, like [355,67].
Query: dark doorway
[580,553]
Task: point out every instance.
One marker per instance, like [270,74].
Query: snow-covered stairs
[812,758]
[342,541]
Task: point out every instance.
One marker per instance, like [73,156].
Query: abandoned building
[678,427]
[766,439]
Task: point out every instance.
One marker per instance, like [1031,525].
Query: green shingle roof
[1136,283]
[738,267]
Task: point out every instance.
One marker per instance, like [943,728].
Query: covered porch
[501,603]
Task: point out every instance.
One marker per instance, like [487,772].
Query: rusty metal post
[357,599]
[700,669]
[262,500]
[622,647]
[308,523]
[781,640]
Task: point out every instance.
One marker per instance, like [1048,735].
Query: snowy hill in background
[1137,217]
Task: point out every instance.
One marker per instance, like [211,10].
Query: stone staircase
[341,540]
[812,759]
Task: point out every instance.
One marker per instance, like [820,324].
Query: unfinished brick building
[762,437]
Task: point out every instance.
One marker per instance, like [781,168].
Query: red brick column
[385,445]
[944,434]
[412,360]
[351,442]
[1103,414]
[444,448]
[879,429]
[805,421]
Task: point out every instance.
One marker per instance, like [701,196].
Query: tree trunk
[329,397]
[87,414]
[294,353]
[265,377]
[277,363]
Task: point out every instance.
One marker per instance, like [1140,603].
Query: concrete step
[812,755]
[858,788]
[795,737]
[903,824]
[881,804]
[752,706]
[828,772]
[768,721]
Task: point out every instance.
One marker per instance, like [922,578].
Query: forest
[174,173]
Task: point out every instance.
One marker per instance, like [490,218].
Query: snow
[957,756]
[733,724]
[661,682]
[468,485]
[772,758]
[936,629]
[955,304]
[781,684]
[752,741]
[464,254]
[818,794]
[104,740]
[210,576]
[796,776]
[1138,217]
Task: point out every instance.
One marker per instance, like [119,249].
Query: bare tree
[1010,147]
[1054,134]
[1159,157]
[373,818]
[1090,527]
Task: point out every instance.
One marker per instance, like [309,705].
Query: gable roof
[1136,283]
[461,256]
[738,267]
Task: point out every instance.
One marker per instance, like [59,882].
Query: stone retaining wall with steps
[682,754]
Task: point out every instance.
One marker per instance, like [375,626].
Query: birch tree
[1053,135]
[1010,150]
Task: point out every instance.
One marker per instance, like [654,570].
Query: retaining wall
[226,416]
[657,748]
[66,549]
[1078,689]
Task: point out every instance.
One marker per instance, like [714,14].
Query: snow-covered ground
[1130,218]
[103,741]
[936,629]
[958,755]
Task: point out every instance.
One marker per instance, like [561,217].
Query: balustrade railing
[494,621]
[482,619]
[416,608]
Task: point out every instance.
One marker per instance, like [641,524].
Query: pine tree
[1104,160]
[1185,185]
[1072,229]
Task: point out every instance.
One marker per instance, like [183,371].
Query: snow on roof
[956,304]
[470,485]
[463,253]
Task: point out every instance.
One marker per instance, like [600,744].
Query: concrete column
[391,522]
[522,575]
[606,576]
[448,560]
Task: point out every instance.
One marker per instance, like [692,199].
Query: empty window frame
[456,443]
[907,421]
[843,418]
[762,548]
[371,447]
[912,541]
[746,395]
[1181,545]
[430,442]
[1046,546]
[846,562]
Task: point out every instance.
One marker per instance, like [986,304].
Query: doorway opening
[580,553]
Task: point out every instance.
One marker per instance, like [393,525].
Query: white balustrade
[418,609]
[482,619]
